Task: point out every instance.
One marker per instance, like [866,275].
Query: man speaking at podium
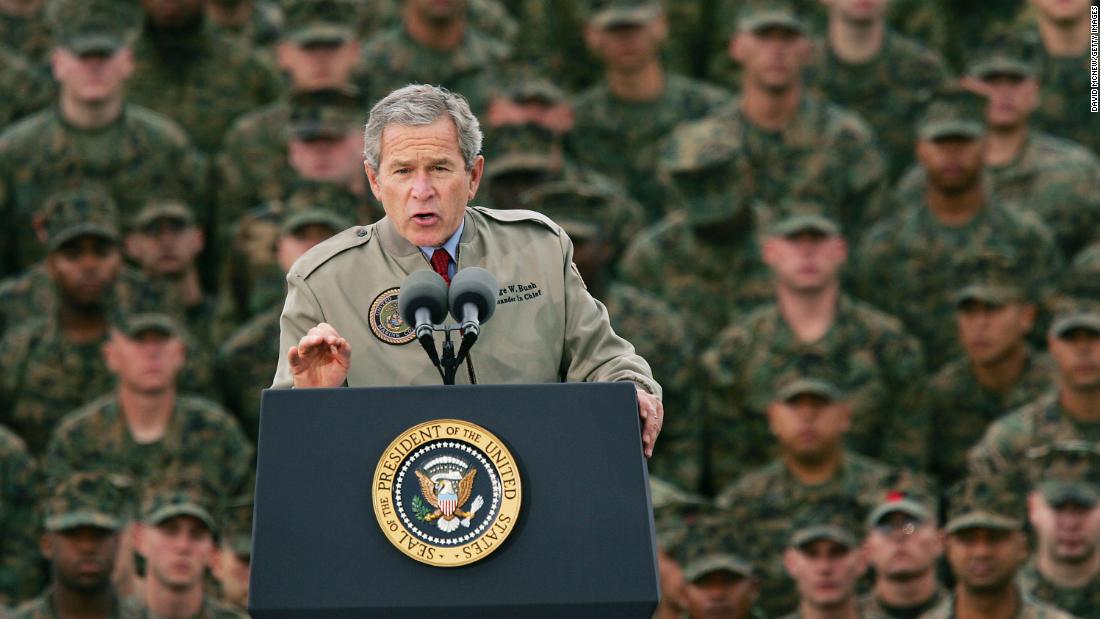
[340,324]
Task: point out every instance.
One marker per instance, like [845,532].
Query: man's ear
[372,180]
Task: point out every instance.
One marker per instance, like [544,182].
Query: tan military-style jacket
[546,328]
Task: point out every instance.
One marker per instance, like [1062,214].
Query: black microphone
[422,302]
[473,298]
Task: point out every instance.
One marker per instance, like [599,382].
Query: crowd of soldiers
[857,240]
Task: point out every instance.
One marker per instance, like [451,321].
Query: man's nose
[422,188]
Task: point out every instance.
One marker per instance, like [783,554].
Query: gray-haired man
[422,150]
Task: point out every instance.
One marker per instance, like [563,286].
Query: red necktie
[440,261]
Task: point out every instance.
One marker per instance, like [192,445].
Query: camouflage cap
[899,502]
[805,374]
[983,502]
[84,211]
[1083,278]
[87,27]
[534,89]
[674,510]
[757,15]
[170,497]
[298,219]
[157,210]
[831,532]
[798,220]
[711,544]
[523,148]
[575,206]
[314,22]
[1070,473]
[237,533]
[1003,53]
[992,278]
[133,325]
[953,112]
[605,14]
[87,499]
[1075,313]
[833,518]
[332,113]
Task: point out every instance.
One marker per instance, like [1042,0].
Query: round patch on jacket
[386,322]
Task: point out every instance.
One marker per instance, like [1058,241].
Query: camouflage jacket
[140,156]
[211,609]
[621,139]
[767,500]
[201,438]
[23,89]
[260,31]
[1064,100]
[42,608]
[909,265]
[244,366]
[878,365]
[962,410]
[870,607]
[253,165]
[19,558]
[29,37]
[1082,602]
[200,79]
[1029,608]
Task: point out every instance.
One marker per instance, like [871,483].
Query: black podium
[582,545]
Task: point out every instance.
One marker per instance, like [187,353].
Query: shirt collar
[451,245]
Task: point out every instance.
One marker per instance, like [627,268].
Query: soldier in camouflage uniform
[19,573]
[234,554]
[180,520]
[622,119]
[254,24]
[719,580]
[93,134]
[23,89]
[986,546]
[878,365]
[551,41]
[826,562]
[809,417]
[434,44]
[246,361]
[909,264]
[885,81]
[1064,510]
[84,517]
[180,435]
[999,371]
[202,80]
[903,546]
[489,16]
[1068,413]
[674,512]
[25,30]
[778,141]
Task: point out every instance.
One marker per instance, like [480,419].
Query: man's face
[166,247]
[84,269]
[148,362]
[292,246]
[438,11]
[1068,533]
[671,576]
[176,551]
[422,181]
[900,547]
[1012,99]
[806,262]
[857,11]
[1062,10]
[985,560]
[771,58]
[318,66]
[809,427]
[1077,355]
[953,164]
[720,595]
[82,557]
[173,13]
[94,78]
[990,333]
[825,572]
[628,48]
[232,572]
[333,160]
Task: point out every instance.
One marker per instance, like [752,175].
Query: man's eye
[440,168]
[402,171]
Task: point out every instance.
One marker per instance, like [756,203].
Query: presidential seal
[386,322]
[446,493]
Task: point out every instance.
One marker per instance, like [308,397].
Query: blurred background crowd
[857,240]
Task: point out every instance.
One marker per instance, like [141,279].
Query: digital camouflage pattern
[19,558]
[551,41]
[260,31]
[23,88]
[622,139]
[489,16]
[140,156]
[1082,602]
[887,92]
[244,366]
[775,503]
[962,410]
[211,609]
[1030,608]
[870,607]
[28,36]
[1083,278]
[869,356]
[910,265]
[825,154]
[199,79]
[1064,98]
[201,440]
[43,607]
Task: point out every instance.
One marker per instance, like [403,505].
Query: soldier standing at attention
[19,560]
[903,546]
[826,562]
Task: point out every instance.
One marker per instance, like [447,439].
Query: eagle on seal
[445,498]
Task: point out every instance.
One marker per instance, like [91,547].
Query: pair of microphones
[424,300]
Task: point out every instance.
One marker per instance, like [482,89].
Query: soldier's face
[422,181]
[953,164]
[91,79]
[990,333]
[316,67]
[628,48]
[825,572]
[720,595]
[1012,99]
[294,245]
[986,560]
[327,159]
[807,261]
[147,362]
[809,427]
[772,58]
[1062,10]
[173,13]
[1069,533]
[1077,355]
[165,247]
[82,558]
[900,547]
[671,576]
[231,572]
[857,11]
[176,551]
[83,269]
